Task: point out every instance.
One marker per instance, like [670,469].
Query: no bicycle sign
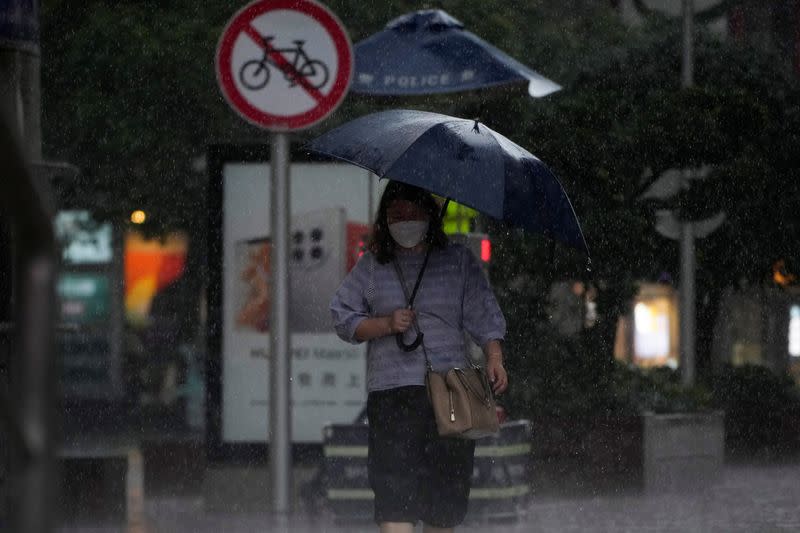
[284,64]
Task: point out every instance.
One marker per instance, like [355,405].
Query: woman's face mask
[408,223]
[410,233]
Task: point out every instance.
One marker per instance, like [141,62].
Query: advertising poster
[330,204]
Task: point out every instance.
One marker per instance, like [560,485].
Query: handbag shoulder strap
[399,271]
[371,284]
[408,300]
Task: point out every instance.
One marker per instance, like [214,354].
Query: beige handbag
[462,399]
[462,402]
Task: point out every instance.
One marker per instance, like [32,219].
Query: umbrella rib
[438,124]
[497,142]
[401,154]
[349,161]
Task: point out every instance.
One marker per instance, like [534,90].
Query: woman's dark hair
[381,243]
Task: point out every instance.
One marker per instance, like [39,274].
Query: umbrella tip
[475,126]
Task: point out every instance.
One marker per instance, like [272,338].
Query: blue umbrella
[429,51]
[461,160]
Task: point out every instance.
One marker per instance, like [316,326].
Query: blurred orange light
[151,265]
[138,217]
[781,275]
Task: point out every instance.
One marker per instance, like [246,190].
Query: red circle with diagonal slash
[326,103]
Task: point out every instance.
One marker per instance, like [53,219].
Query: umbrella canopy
[461,160]
[426,52]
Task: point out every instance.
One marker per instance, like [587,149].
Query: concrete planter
[586,456]
[683,451]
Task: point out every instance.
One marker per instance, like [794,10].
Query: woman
[415,474]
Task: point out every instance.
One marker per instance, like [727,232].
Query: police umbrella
[429,51]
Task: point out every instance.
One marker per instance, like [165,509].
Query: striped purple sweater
[454,297]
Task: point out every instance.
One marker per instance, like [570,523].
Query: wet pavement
[750,498]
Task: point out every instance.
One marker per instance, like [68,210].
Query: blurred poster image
[252,296]
[317,262]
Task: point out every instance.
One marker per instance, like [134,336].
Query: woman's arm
[484,320]
[481,315]
[381,326]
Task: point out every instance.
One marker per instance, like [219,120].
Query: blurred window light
[651,329]
[643,318]
[794,331]
[650,337]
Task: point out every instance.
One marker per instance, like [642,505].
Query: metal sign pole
[280,360]
[687,303]
[687,65]
[687,296]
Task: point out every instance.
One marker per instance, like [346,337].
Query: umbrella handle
[409,347]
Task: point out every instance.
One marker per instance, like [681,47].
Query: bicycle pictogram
[255,74]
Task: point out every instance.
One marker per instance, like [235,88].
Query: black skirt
[414,473]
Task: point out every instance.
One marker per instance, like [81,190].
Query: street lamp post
[687,65]
[687,302]
[675,226]
[687,327]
